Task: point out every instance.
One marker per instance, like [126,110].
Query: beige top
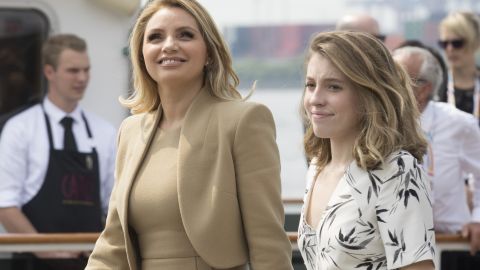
[161,234]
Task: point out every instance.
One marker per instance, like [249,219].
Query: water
[285,104]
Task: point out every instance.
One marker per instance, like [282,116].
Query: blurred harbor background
[267,39]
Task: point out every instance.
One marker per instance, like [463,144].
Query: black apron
[69,199]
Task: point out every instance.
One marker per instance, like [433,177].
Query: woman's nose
[170,44]
[317,97]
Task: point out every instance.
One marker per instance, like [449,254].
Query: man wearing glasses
[454,150]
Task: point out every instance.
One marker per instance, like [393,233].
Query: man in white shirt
[56,160]
[454,148]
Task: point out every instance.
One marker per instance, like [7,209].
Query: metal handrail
[75,238]
[48,238]
[86,241]
[292,200]
[23,242]
[439,238]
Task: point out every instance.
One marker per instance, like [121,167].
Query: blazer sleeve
[109,251]
[257,169]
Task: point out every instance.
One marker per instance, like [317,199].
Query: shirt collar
[427,109]
[56,114]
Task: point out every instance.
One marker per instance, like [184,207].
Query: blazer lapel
[191,165]
[192,136]
[148,128]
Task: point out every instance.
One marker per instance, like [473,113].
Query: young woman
[367,204]
[198,171]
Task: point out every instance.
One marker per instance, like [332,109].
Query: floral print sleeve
[404,213]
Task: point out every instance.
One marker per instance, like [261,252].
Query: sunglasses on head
[456,43]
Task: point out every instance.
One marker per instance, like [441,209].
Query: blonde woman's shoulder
[240,108]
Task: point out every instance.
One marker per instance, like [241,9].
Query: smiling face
[330,101]
[173,48]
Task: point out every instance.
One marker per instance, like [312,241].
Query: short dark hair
[55,45]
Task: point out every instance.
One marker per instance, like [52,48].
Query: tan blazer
[228,187]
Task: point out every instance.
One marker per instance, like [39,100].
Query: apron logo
[77,189]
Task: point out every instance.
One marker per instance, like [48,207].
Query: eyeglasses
[456,43]
[419,81]
[381,37]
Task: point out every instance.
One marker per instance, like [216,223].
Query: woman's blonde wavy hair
[390,117]
[219,74]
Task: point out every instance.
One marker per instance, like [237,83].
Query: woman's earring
[207,65]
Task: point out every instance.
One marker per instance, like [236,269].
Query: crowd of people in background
[392,140]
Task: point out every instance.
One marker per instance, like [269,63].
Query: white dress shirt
[454,137]
[24,151]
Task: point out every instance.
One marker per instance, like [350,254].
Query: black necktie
[68,139]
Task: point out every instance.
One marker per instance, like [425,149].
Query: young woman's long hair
[390,117]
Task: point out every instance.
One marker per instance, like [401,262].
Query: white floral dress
[378,219]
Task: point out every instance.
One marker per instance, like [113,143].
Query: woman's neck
[175,102]
[342,153]
[464,75]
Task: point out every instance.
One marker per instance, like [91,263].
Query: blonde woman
[198,173]
[460,40]
[367,204]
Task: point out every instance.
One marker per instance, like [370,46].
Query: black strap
[49,127]
[87,126]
